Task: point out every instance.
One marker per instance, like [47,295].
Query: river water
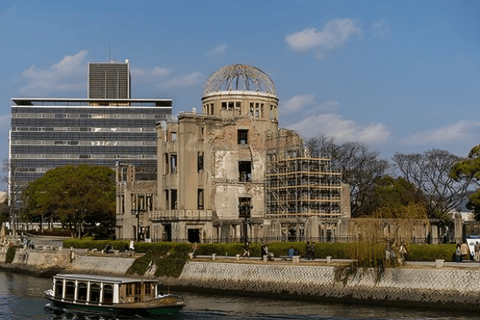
[21,297]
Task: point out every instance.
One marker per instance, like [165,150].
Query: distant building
[230,174]
[109,80]
[103,129]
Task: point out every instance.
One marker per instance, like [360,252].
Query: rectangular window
[224,106]
[173,163]
[238,106]
[200,199]
[167,201]
[147,289]
[149,202]
[165,167]
[242,136]
[129,290]
[200,162]
[245,171]
[174,136]
[244,208]
[230,105]
[173,204]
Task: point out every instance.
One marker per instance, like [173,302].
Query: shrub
[10,255]
[169,257]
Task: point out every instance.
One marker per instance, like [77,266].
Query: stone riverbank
[452,288]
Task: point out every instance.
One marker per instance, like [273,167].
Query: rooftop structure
[109,80]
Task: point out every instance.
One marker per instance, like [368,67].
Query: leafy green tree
[469,170]
[399,199]
[76,195]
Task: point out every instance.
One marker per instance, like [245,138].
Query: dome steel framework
[239,77]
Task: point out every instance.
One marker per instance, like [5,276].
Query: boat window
[70,290]
[94,293]
[107,294]
[58,288]
[82,291]
[138,291]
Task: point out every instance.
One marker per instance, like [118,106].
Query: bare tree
[361,168]
[430,173]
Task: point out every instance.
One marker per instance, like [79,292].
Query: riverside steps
[435,284]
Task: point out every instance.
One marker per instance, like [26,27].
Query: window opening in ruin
[261,110]
[200,199]
[244,209]
[193,235]
[173,163]
[211,109]
[257,112]
[251,108]
[122,204]
[242,135]
[134,202]
[200,162]
[173,203]
[245,171]
[141,202]
[238,106]
[150,202]
[224,106]
[230,105]
[167,201]
[165,168]
[174,136]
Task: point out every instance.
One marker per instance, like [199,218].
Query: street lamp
[137,212]
[245,211]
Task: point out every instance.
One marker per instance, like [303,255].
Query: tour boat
[93,293]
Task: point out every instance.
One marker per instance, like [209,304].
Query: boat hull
[140,309]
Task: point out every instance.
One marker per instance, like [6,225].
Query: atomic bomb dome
[239,77]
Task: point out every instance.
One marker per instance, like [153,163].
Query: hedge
[416,252]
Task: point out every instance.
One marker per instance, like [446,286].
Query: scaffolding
[300,187]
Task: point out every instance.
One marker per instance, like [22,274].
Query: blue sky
[401,76]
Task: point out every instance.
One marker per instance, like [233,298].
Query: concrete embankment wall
[454,289]
[447,288]
[40,261]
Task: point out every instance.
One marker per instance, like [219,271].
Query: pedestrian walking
[246,249]
[464,249]
[458,253]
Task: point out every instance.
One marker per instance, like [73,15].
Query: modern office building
[103,129]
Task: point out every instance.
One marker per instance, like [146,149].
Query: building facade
[100,130]
[229,173]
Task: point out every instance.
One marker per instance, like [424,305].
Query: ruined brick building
[229,173]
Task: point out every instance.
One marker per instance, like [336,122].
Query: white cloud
[11,10]
[162,78]
[217,50]
[67,75]
[302,102]
[296,103]
[142,75]
[460,131]
[335,33]
[342,129]
[381,29]
[187,80]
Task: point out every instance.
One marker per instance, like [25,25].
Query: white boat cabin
[102,290]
